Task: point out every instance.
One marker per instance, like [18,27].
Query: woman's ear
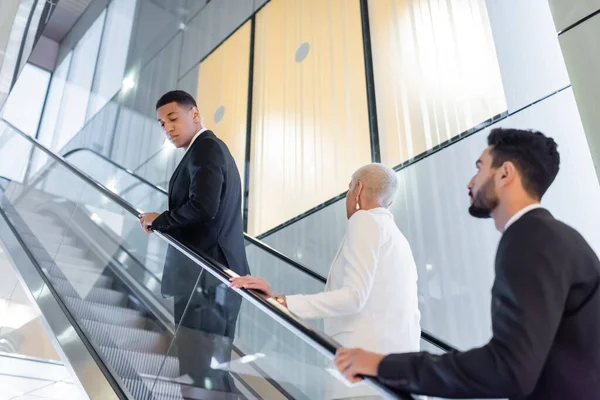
[358,188]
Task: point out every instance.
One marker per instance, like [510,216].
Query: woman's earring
[357,205]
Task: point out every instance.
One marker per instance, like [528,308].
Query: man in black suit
[545,298]
[204,214]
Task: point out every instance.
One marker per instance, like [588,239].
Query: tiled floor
[30,368]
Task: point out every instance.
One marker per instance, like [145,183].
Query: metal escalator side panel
[81,362]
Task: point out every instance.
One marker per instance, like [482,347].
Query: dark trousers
[206,331]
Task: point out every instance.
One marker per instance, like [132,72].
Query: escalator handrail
[258,243]
[320,342]
[254,241]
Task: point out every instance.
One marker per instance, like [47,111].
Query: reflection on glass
[436,73]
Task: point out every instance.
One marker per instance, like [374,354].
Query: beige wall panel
[436,72]
[222,95]
[310,126]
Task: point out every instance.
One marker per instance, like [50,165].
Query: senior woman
[370,299]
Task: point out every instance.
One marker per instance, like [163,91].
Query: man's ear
[196,114]
[508,172]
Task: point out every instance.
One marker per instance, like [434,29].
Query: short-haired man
[545,298]
[204,214]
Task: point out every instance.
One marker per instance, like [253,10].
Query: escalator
[96,278]
[149,196]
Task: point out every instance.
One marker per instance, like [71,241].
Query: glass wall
[436,73]
[222,94]
[110,69]
[55,94]
[76,96]
[439,69]
[22,109]
[304,102]
[310,127]
[89,76]
[24,106]
[19,21]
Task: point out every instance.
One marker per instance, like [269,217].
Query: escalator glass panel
[198,339]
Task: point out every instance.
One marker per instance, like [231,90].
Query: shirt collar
[520,213]
[195,137]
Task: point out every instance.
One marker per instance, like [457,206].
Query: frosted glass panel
[55,94]
[310,127]
[79,83]
[24,105]
[113,54]
[223,92]
[436,73]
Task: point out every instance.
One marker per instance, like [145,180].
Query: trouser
[204,339]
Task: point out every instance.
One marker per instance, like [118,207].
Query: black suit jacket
[545,322]
[205,201]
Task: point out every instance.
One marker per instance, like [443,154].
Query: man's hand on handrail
[354,364]
[146,220]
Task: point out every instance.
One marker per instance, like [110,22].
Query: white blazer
[370,300]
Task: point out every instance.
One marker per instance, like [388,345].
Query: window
[25,103]
[113,54]
[79,83]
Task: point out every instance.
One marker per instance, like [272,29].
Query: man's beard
[485,201]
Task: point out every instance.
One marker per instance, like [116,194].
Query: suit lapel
[183,159]
[175,174]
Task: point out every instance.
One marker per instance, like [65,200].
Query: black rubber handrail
[258,243]
[321,342]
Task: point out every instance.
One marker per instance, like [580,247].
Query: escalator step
[169,391]
[107,314]
[95,294]
[127,338]
[60,248]
[144,363]
[91,279]
[33,217]
[81,289]
[78,263]
[160,390]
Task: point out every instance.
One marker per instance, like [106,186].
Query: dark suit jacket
[545,322]
[205,202]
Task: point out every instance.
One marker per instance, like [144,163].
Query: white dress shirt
[370,300]
[195,137]
[520,213]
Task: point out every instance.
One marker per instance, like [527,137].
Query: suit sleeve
[204,194]
[360,252]
[528,299]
